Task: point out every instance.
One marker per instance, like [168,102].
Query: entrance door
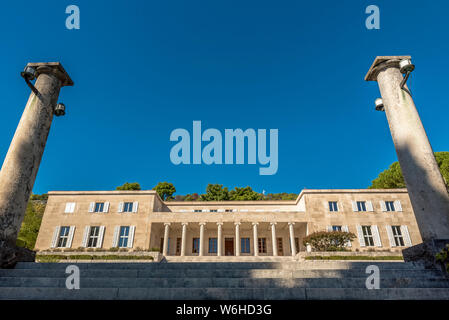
[280,247]
[229,246]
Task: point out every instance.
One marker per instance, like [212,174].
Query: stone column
[425,185]
[201,238]
[24,155]
[256,242]
[237,239]
[273,238]
[292,237]
[219,238]
[183,238]
[166,236]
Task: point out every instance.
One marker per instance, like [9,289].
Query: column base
[425,252]
[10,254]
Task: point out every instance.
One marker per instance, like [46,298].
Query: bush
[443,257]
[328,241]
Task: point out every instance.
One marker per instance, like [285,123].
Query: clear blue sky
[144,68]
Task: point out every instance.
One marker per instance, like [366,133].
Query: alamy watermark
[73,280]
[373,280]
[73,20]
[212,153]
[373,20]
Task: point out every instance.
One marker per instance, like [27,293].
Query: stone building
[382,219]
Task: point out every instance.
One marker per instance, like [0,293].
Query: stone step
[59,282]
[33,293]
[220,273]
[228,265]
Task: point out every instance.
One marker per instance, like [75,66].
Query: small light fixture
[379,104]
[406,66]
[29,73]
[60,110]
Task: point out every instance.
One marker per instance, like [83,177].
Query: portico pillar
[183,238]
[273,238]
[166,235]
[219,238]
[256,242]
[292,238]
[237,239]
[201,238]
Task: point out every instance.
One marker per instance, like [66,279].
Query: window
[178,246]
[99,207]
[213,210]
[228,210]
[368,236]
[63,237]
[397,235]
[262,244]
[361,206]
[69,207]
[212,245]
[333,206]
[336,228]
[196,245]
[127,207]
[297,244]
[93,237]
[389,205]
[197,210]
[123,237]
[245,248]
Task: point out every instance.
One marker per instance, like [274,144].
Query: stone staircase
[250,280]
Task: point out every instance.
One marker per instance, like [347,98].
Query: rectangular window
[212,245]
[93,237]
[178,246]
[63,237]
[368,236]
[245,248]
[196,245]
[197,210]
[297,244]
[69,207]
[228,210]
[389,205]
[397,234]
[128,207]
[262,244]
[99,206]
[336,228]
[123,237]
[361,206]
[333,206]
[213,210]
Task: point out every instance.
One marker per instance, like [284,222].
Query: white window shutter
[115,237]
[326,206]
[54,241]
[72,207]
[397,205]
[376,236]
[106,207]
[70,239]
[329,228]
[360,235]
[390,236]
[220,210]
[345,229]
[131,236]
[135,206]
[383,206]
[406,236]
[120,207]
[369,206]
[91,206]
[69,207]
[100,237]
[339,206]
[354,206]
[86,236]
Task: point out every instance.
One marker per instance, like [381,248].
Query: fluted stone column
[425,185]
[202,224]
[237,239]
[24,155]
[166,236]
[256,242]
[219,238]
[273,238]
[183,238]
[292,237]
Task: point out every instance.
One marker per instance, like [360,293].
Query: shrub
[155,249]
[328,241]
[443,257]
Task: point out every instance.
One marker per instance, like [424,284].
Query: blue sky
[144,68]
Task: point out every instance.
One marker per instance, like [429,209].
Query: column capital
[219,223]
[291,223]
[202,223]
[167,223]
[184,223]
[54,68]
[255,223]
[382,63]
[237,223]
[273,223]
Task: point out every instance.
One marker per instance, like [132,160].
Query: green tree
[215,192]
[129,186]
[192,197]
[392,177]
[243,194]
[31,223]
[165,190]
